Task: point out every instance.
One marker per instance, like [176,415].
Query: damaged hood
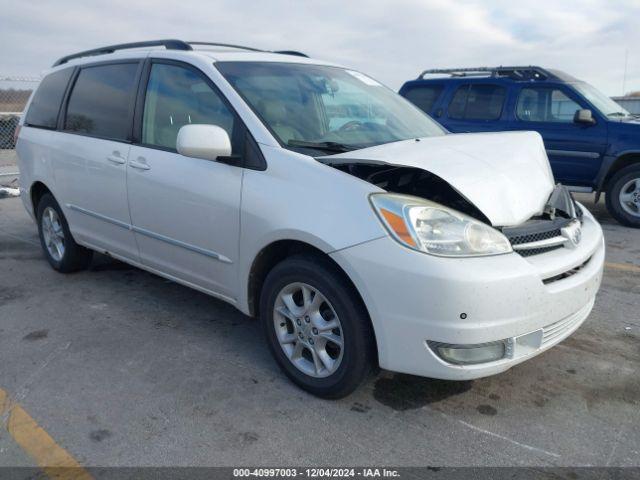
[505,175]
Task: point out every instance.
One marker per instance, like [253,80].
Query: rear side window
[424,97]
[101,101]
[545,105]
[44,108]
[477,102]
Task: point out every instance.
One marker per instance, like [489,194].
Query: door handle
[139,164]
[116,158]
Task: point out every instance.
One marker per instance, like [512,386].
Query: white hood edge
[505,175]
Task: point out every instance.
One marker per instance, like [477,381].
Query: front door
[185,211]
[574,149]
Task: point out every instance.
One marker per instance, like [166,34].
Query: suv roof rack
[169,44]
[530,72]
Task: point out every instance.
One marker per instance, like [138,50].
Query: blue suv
[593,143]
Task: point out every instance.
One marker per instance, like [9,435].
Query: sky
[392,41]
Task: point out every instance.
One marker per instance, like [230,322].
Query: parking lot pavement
[121,367]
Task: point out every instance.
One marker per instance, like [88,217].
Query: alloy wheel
[308,330]
[53,234]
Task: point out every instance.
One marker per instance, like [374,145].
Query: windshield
[327,108]
[604,104]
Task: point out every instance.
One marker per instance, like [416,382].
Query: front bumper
[414,298]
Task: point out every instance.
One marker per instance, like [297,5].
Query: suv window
[101,100]
[178,96]
[44,108]
[424,97]
[477,102]
[537,104]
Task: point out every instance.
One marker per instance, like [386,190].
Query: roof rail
[517,73]
[229,45]
[168,44]
[251,49]
[291,52]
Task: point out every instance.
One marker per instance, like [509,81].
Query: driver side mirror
[203,141]
[585,116]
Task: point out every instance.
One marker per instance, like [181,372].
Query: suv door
[574,149]
[89,167]
[185,211]
[476,107]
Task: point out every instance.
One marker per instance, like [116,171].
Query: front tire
[62,252]
[316,326]
[623,196]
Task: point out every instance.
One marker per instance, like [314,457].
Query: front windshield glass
[329,108]
[604,104]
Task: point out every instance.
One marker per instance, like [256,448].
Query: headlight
[433,228]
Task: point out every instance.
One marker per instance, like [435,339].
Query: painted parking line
[54,460]
[625,267]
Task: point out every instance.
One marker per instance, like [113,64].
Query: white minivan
[359,231]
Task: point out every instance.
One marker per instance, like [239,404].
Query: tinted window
[101,101]
[477,102]
[424,97]
[44,108]
[178,96]
[545,105]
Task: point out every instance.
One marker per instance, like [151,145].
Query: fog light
[469,354]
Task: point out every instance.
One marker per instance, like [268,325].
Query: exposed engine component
[412,181]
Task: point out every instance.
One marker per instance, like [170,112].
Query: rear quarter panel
[35,162]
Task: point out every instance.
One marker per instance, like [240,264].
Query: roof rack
[295,53]
[517,73]
[228,45]
[251,49]
[170,44]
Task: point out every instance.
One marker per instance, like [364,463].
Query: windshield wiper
[617,114]
[327,146]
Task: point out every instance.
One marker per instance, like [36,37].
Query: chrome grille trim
[549,242]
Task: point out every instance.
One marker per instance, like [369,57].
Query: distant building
[630,102]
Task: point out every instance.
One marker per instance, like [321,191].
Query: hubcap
[53,233]
[308,330]
[630,197]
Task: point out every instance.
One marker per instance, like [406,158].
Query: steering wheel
[351,125]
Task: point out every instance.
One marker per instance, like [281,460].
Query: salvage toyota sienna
[359,231]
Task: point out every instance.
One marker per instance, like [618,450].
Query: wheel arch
[613,166]
[276,252]
[36,191]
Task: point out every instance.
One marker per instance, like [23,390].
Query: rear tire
[61,250]
[324,343]
[623,196]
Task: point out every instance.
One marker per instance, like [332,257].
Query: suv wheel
[623,196]
[62,252]
[316,326]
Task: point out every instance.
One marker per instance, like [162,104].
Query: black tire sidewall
[613,196]
[357,336]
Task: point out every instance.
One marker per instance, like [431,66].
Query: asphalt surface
[123,368]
